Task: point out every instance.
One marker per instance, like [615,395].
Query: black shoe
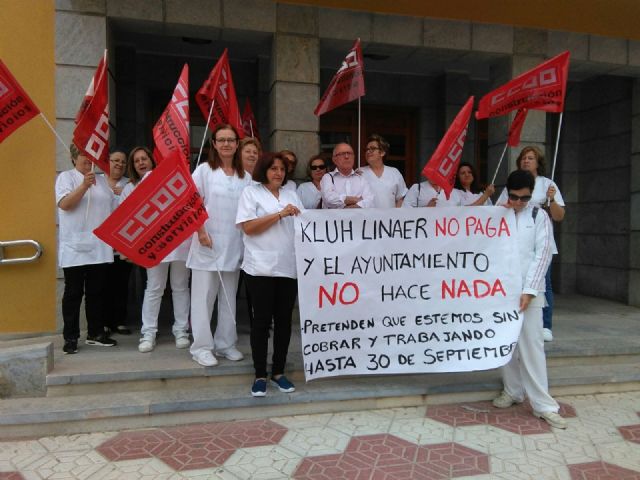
[122,330]
[70,347]
[102,341]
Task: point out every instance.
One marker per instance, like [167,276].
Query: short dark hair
[539,157]
[265,163]
[382,143]
[520,179]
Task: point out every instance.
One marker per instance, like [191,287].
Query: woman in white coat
[216,250]
[141,163]
[266,214]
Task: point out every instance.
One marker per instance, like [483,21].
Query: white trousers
[526,372]
[205,287]
[156,283]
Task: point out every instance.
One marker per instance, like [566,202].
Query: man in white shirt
[344,187]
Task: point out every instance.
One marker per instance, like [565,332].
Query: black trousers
[273,298]
[87,281]
[117,292]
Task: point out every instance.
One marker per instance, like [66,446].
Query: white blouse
[220,193]
[468,198]
[420,194]
[309,195]
[272,252]
[388,188]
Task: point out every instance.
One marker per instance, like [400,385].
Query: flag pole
[206,126]
[359,127]
[555,153]
[251,128]
[66,147]
[504,151]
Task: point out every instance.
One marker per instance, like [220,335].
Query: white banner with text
[385,291]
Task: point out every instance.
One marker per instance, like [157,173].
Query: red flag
[163,211]
[541,88]
[16,108]
[91,135]
[346,85]
[171,131]
[442,167]
[218,88]
[516,127]
[249,121]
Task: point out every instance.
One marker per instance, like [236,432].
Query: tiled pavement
[471,441]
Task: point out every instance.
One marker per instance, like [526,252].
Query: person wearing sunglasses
[526,373]
[387,184]
[344,187]
[309,192]
[546,194]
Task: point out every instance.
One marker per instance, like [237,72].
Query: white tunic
[336,187]
[77,244]
[309,195]
[272,252]
[388,188]
[468,197]
[221,194]
[290,185]
[420,194]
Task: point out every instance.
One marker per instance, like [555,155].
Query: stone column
[634,210]
[295,78]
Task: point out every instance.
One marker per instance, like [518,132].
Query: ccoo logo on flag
[4,89]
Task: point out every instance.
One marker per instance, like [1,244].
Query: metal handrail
[17,243]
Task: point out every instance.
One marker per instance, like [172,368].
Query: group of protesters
[251,200]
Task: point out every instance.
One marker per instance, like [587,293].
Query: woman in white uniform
[84,201]
[469,188]
[428,194]
[386,182]
[266,214]
[141,163]
[309,192]
[250,151]
[216,250]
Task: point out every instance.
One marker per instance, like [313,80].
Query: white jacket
[535,247]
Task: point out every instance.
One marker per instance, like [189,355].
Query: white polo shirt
[272,252]
[387,188]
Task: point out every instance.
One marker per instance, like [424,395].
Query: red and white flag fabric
[162,211]
[91,134]
[249,124]
[218,89]
[515,130]
[442,167]
[346,85]
[16,108]
[541,88]
[171,131]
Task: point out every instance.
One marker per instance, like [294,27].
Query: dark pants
[87,281]
[117,292]
[547,312]
[271,298]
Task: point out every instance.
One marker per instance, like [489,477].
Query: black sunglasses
[514,198]
[317,167]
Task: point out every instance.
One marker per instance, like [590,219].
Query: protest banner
[387,291]
[16,108]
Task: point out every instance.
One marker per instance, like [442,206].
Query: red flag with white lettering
[162,211]
[541,88]
[249,121]
[346,85]
[16,108]
[442,167]
[218,89]
[516,127]
[171,131]
[91,134]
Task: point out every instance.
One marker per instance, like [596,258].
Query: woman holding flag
[468,186]
[216,251]
[173,266]
[428,194]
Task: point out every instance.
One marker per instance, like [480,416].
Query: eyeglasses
[117,160]
[343,154]
[317,167]
[226,140]
[372,149]
[514,198]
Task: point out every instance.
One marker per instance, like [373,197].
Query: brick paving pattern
[470,441]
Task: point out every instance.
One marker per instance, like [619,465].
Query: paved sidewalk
[471,441]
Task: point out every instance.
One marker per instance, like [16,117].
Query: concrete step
[121,410]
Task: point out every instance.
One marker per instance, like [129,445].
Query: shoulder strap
[534,212]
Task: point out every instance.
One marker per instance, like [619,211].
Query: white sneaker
[231,353]
[552,418]
[146,344]
[504,400]
[206,359]
[183,341]
[547,335]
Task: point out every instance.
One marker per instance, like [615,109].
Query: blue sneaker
[259,388]
[284,385]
